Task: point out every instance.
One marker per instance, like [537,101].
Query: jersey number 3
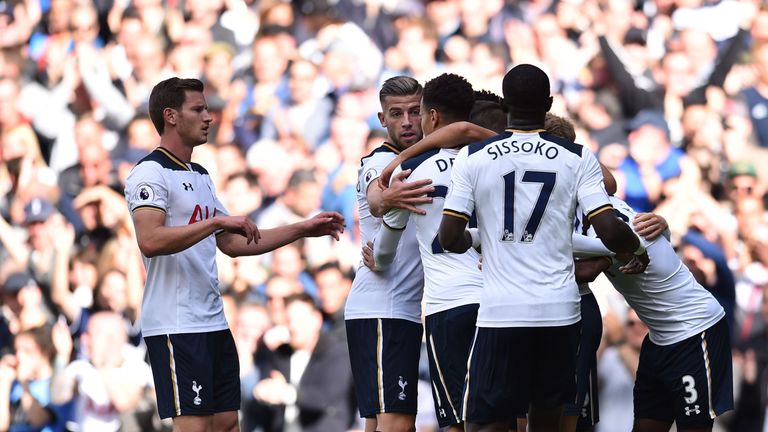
[547,180]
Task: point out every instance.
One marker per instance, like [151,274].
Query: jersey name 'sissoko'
[504,147]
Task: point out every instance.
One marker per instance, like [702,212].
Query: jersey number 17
[547,180]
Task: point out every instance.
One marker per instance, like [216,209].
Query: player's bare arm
[400,194]
[326,223]
[449,136]
[614,233]
[609,181]
[588,269]
[650,226]
[154,238]
[453,234]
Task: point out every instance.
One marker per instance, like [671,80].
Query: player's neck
[525,121]
[177,148]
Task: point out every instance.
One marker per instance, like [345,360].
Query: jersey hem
[444,306]
[504,324]
[176,330]
[348,317]
[693,332]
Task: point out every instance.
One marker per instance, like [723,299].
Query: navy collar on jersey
[391,147]
[173,157]
[525,130]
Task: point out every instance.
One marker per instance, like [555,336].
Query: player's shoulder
[384,151]
[198,168]
[479,145]
[417,161]
[161,157]
[572,147]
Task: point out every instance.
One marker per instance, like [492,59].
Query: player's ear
[434,117]
[380,115]
[549,103]
[169,115]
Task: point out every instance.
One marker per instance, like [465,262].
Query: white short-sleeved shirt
[666,296]
[450,280]
[395,293]
[524,187]
[181,294]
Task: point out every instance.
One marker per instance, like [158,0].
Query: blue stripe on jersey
[414,162]
[476,147]
[199,168]
[386,148]
[439,192]
[562,142]
[164,160]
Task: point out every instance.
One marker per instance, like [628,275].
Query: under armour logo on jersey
[694,410]
[187,186]
[402,383]
[196,388]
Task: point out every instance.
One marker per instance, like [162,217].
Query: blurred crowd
[672,95]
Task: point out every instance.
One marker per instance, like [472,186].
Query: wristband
[640,249]
[474,234]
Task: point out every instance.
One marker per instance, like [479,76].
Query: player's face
[427,125]
[402,117]
[194,120]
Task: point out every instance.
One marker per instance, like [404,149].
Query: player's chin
[409,139]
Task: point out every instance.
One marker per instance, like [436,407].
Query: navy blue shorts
[513,367]
[449,339]
[195,373]
[587,406]
[689,382]
[384,354]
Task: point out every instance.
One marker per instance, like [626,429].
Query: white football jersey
[395,293]
[181,294]
[524,187]
[666,296]
[450,280]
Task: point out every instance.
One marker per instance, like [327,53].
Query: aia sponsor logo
[201,213]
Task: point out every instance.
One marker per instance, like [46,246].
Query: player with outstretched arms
[179,225]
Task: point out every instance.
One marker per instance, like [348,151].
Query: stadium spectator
[310,386]
[25,384]
[108,381]
[69,68]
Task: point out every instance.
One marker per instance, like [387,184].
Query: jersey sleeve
[590,190]
[385,246]
[585,247]
[372,168]
[627,214]
[397,218]
[460,201]
[145,188]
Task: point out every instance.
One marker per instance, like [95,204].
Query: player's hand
[407,195]
[649,226]
[387,173]
[241,225]
[368,256]
[325,223]
[635,264]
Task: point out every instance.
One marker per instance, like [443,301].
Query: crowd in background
[672,95]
